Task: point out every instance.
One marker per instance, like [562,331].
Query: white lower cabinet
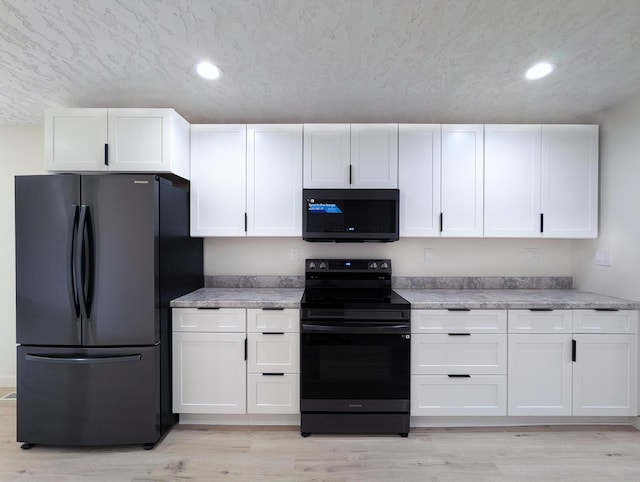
[462,372]
[219,368]
[580,363]
[273,354]
[209,373]
[605,375]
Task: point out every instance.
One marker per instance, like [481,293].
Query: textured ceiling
[320,60]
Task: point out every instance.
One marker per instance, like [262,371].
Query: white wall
[21,152]
[450,257]
[619,211]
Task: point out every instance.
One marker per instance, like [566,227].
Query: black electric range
[354,350]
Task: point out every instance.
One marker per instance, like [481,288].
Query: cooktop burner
[350,284]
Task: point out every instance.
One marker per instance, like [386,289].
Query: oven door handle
[355,328]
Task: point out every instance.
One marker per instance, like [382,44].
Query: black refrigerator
[98,259]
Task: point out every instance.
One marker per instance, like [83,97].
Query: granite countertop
[240,298]
[512,299]
[419,298]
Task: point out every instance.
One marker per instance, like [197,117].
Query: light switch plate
[604,257]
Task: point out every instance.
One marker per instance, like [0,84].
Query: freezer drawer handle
[84,361]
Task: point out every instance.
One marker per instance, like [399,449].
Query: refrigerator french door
[98,258]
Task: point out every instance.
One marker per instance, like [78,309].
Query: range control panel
[376,265]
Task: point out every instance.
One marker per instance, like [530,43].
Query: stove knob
[323,265]
[384,265]
[373,265]
[312,265]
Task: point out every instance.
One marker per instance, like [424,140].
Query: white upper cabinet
[75,139]
[218,179]
[374,156]
[570,181]
[462,182]
[117,140]
[512,181]
[327,155]
[356,156]
[274,180]
[419,179]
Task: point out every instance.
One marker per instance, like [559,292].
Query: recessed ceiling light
[208,71]
[539,70]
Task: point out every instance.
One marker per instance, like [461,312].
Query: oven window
[354,366]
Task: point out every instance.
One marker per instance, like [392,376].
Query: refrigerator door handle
[71,278]
[84,261]
[84,360]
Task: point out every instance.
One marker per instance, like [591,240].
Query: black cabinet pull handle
[245,222]
[273,332]
[272,308]
[207,308]
[541,222]
[273,374]
[574,346]
[350,174]
[606,309]
[245,349]
[540,309]
[459,334]
[458,309]
[459,376]
[106,154]
[441,221]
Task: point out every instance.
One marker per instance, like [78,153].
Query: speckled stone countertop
[240,298]
[512,299]
[419,298]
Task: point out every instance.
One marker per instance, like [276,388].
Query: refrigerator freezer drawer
[88,396]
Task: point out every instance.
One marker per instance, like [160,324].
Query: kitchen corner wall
[410,256]
[21,152]
[619,212]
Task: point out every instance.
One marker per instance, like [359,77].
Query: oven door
[354,366]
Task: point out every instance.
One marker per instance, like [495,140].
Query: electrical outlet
[295,254]
[428,255]
[531,255]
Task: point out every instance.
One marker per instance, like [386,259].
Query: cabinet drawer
[444,395]
[594,321]
[459,355]
[219,320]
[273,393]
[273,353]
[527,321]
[260,321]
[445,321]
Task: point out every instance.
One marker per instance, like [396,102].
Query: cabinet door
[374,156]
[327,156]
[75,139]
[570,181]
[443,395]
[148,140]
[539,368]
[273,393]
[462,180]
[605,375]
[218,185]
[419,179]
[209,373]
[274,180]
[512,181]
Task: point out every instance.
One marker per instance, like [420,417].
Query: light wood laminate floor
[280,454]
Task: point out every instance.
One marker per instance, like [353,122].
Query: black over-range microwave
[350,215]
